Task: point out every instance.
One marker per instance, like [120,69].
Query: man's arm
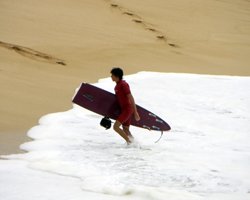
[132,101]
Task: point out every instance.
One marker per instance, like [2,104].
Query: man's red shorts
[126,116]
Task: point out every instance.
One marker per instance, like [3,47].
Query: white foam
[205,156]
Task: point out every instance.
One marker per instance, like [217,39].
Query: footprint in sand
[161,37]
[152,29]
[173,45]
[114,5]
[128,13]
[139,20]
[32,54]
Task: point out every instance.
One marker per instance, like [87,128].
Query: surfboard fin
[160,137]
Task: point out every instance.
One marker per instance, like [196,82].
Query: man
[127,104]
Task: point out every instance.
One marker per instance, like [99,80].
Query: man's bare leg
[128,133]
[121,132]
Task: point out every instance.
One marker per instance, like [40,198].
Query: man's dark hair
[117,72]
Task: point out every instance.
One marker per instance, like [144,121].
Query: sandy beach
[47,48]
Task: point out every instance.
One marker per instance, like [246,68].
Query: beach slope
[47,48]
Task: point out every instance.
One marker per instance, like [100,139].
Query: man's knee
[126,128]
[116,125]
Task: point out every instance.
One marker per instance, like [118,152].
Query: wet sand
[48,48]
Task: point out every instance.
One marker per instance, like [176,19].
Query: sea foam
[206,155]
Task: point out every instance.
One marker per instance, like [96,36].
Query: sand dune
[48,47]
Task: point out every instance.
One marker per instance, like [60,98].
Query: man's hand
[137,116]
[132,101]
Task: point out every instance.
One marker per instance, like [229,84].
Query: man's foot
[130,140]
[133,144]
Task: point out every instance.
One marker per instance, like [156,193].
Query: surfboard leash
[160,137]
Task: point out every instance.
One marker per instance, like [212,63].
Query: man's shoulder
[123,82]
[122,85]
